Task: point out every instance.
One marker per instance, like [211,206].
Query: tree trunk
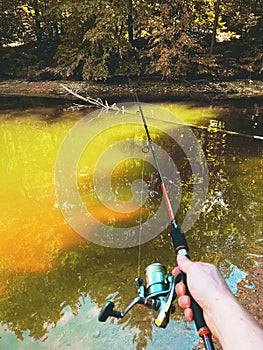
[213,39]
[37,21]
[130,22]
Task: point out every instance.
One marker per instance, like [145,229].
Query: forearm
[233,325]
[226,318]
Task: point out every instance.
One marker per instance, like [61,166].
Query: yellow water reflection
[191,113]
[32,228]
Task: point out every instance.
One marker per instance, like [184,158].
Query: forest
[103,39]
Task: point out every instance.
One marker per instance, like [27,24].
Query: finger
[180,288]
[175,271]
[184,301]
[188,314]
[183,262]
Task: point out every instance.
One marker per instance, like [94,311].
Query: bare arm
[227,319]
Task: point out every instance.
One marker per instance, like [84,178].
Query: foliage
[101,47]
[99,39]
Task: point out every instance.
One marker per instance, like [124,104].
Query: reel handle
[107,311]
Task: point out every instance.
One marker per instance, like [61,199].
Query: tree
[213,39]
[174,30]
[168,38]
[96,40]
[10,22]
[130,20]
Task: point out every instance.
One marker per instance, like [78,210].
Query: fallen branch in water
[97,102]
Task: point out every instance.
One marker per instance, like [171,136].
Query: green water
[53,281]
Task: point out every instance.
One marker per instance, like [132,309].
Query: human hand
[224,315]
[205,284]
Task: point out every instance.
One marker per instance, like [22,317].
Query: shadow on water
[53,282]
[22,102]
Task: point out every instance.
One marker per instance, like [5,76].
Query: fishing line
[105,106]
[140,226]
[214,129]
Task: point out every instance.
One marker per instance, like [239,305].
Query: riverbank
[250,292]
[149,91]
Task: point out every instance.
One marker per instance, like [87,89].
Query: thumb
[183,262]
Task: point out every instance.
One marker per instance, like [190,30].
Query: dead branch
[97,102]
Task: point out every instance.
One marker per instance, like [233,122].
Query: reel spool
[158,295]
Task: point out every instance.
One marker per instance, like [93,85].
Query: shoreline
[149,90]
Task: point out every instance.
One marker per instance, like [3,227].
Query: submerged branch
[97,102]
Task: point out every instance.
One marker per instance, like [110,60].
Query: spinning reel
[158,295]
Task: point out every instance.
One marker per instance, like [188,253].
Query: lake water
[82,215]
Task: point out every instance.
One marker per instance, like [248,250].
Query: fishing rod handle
[199,321]
[181,247]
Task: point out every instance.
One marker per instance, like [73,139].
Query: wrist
[232,325]
[220,299]
[226,315]
[216,312]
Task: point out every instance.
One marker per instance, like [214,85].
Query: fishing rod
[159,292]
[179,241]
